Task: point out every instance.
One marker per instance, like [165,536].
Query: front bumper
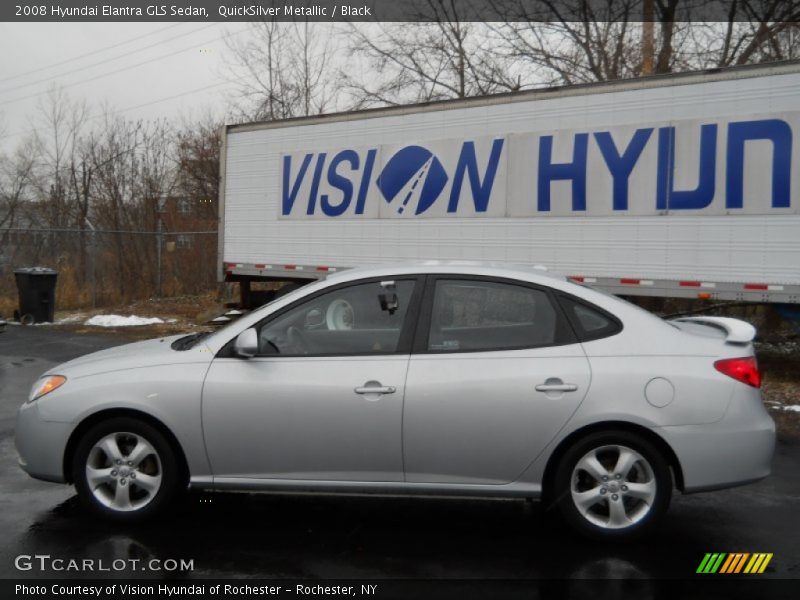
[733,451]
[41,444]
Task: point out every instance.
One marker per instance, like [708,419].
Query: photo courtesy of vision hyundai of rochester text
[429,378]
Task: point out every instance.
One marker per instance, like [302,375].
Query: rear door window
[476,315]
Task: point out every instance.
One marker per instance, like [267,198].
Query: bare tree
[755,31]
[283,70]
[117,174]
[197,147]
[60,124]
[15,179]
[260,76]
[578,41]
[574,41]
[311,70]
[15,174]
[438,58]
[133,171]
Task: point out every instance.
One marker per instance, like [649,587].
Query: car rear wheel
[125,469]
[613,485]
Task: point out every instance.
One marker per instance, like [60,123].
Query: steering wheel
[297,340]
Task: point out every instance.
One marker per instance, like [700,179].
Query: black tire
[644,519]
[162,462]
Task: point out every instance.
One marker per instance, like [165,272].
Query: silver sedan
[423,379]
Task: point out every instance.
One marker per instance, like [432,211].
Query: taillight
[741,369]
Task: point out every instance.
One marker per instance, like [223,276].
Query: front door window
[366,318]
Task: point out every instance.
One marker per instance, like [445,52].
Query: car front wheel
[613,485]
[124,469]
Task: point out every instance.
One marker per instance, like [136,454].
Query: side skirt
[387,488]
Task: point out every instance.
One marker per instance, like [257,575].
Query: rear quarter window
[589,321]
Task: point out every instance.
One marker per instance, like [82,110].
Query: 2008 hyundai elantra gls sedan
[435,379]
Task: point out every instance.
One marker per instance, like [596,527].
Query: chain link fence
[101,267]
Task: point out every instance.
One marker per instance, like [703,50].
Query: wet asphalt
[284,536]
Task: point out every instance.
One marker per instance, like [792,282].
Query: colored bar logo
[734,562]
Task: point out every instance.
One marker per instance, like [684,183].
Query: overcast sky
[178,57]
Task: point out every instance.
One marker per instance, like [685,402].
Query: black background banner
[701,587]
[398,10]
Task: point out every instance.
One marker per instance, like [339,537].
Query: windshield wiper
[189,341]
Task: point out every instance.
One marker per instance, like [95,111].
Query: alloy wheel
[123,471]
[613,486]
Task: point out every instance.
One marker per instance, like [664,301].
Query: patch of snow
[64,321]
[120,321]
[70,319]
[172,320]
[789,407]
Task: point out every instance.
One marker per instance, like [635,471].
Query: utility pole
[648,46]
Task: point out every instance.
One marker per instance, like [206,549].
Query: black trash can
[37,294]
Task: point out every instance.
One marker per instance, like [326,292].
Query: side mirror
[246,345]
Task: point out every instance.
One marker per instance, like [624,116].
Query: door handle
[554,384]
[375,389]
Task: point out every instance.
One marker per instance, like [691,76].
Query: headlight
[46,385]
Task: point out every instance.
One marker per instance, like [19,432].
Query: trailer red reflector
[630,281]
[756,286]
[743,369]
[689,283]
[290,267]
[260,266]
[578,278]
[323,269]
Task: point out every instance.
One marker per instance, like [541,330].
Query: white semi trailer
[683,185]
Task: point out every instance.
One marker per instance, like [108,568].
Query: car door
[322,399]
[495,373]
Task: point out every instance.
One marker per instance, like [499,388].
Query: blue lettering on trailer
[621,165]
[668,198]
[574,171]
[780,134]
[290,195]
[468,166]
[608,171]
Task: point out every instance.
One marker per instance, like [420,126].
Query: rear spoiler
[736,331]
